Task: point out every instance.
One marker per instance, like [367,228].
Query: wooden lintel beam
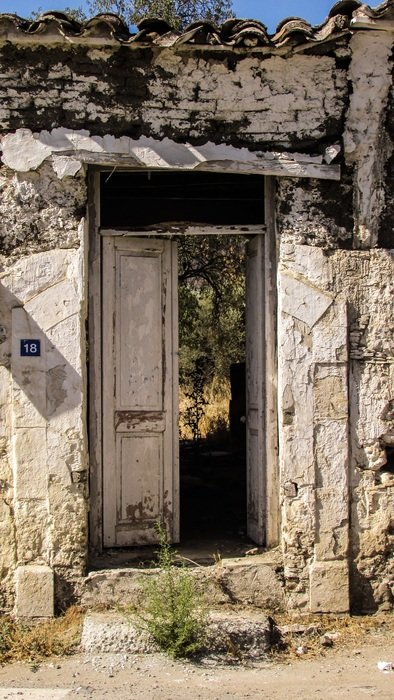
[277,167]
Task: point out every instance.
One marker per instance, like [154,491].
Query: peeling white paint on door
[139,364]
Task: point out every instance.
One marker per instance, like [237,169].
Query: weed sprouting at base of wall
[173,610]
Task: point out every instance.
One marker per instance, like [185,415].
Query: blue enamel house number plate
[30,348]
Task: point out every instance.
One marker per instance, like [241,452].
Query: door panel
[139,380]
[140,441]
[255,390]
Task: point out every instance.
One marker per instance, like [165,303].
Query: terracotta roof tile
[108,28]
[344,7]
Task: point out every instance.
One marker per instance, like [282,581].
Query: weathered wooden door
[255,418]
[140,390]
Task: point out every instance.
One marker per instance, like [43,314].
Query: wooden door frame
[270,456]
[94,359]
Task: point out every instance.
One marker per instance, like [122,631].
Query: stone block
[330,392]
[30,454]
[331,453]
[34,273]
[34,591]
[29,407]
[32,522]
[331,543]
[303,300]
[105,633]
[64,343]
[5,395]
[24,326]
[54,304]
[329,587]
[330,335]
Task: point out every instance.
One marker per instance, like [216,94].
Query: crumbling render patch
[38,212]
[308,214]
[376,455]
[370,75]
[380,456]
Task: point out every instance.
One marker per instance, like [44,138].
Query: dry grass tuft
[316,635]
[26,642]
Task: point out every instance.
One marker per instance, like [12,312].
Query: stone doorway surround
[270,507]
[210,158]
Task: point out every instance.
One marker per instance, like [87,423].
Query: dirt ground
[348,670]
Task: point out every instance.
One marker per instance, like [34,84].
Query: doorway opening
[212,386]
[146,222]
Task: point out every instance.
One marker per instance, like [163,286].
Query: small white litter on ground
[385,666]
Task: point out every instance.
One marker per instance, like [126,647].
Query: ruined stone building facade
[311,112]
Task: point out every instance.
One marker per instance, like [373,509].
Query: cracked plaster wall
[43,449]
[370,293]
[335,353]
[336,415]
[337,463]
[308,211]
[368,142]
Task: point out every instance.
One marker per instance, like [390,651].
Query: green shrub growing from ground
[173,610]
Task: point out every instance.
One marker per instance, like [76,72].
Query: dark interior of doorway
[144,199]
[213,477]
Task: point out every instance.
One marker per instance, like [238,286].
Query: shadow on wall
[45,382]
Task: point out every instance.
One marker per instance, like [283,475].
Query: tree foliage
[211,319]
[178,13]
[211,303]
[76,13]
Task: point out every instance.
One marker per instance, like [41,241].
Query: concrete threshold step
[254,581]
[229,635]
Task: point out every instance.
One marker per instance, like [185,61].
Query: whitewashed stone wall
[336,352]
[370,293]
[336,422]
[44,450]
[313,413]
[60,109]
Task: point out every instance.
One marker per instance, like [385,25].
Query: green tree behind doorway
[211,328]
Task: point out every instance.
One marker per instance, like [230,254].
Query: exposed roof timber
[170,230]
[279,166]
[283,167]
[108,29]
